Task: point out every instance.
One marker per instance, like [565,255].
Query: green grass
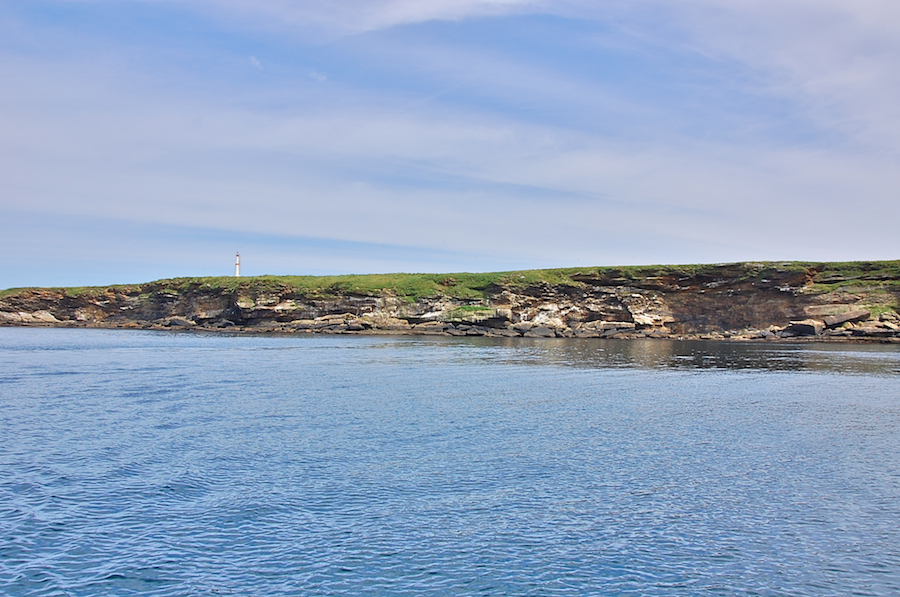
[847,271]
[472,308]
[856,275]
[408,286]
[877,310]
[473,286]
[467,311]
[73,291]
[854,286]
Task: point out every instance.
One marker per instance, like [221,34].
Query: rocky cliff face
[743,301]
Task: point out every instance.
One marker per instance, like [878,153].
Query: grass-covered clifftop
[822,276]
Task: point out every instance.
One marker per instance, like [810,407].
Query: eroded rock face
[730,301]
[24,317]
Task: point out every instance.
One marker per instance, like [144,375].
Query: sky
[147,139]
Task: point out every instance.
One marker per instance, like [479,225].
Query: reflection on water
[860,359]
[588,353]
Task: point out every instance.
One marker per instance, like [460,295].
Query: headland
[839,302]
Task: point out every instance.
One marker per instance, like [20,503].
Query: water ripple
[155,464]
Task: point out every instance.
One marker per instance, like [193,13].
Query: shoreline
[278,331]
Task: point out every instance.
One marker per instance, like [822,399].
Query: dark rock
[760,334]
[540,332]
[872,331]
[582,333]
[505,333]
[177,322]
[807,327]
[838,332]
[616,332]
[833,321]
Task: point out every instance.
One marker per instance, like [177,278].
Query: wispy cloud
[616,133]
[840,58]
[353,16]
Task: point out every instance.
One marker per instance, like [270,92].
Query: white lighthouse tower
[237,265]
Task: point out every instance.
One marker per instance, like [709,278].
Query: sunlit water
[181,464]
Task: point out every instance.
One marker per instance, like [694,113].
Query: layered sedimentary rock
[739,301]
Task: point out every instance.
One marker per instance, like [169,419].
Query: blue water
[181,464]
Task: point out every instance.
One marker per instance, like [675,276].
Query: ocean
[151,463]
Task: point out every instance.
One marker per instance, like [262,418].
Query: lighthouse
[237,265]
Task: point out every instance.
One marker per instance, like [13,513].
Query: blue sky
[142,139]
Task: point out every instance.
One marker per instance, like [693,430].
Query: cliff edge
[825,301]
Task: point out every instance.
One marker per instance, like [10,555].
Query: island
[838,302]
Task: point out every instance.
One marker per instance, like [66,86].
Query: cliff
[836,301]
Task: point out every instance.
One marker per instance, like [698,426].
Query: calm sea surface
[180,464]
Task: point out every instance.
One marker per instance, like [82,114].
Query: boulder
[658,333]
[602,326]
[176,322]
[873,331]
[852,316]
[838,332]
[827,310]
[586,333]
[540,332]
[505,333]
[614,332]
[44,317]
[807,327]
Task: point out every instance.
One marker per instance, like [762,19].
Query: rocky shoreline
[737,302]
